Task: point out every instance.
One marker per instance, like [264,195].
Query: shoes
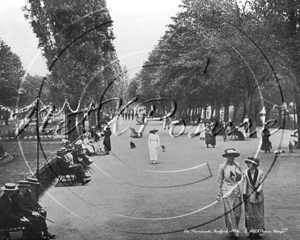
[49,235]
[85,177]
[85,181]
[41,238]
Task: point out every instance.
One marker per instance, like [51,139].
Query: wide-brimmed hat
[78,143]
[252,160]
[9,187]
[33,181]
[93,127]
[230,152]
[23,183]
[153,130]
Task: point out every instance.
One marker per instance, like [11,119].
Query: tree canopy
[76,39]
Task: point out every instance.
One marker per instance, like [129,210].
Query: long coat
[9,215]
[229,189]
[106,140]
[254,204]
[266,144]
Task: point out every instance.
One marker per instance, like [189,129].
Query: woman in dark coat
[209,137]
[266,144]
[106,140]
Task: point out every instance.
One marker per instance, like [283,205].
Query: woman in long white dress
[202,130]
[153,145]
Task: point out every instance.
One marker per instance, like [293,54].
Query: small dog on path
[132,145]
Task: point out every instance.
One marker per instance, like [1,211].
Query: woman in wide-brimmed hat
[253,197]
[106,140]
[265,134]
[210,138]
[153,145]
[229,175]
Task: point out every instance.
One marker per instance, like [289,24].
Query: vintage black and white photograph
[149,120]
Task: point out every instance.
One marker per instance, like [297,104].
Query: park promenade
[129,198]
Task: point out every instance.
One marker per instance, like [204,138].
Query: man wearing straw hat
[10,217]
[78,169]
[229,175]
[34,206]
[153,145]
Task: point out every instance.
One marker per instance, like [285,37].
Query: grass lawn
[25,159]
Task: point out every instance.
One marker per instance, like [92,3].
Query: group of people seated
[94,142]
[18,208]
[76,159]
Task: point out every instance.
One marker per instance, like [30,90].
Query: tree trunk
[72,129]
[235,108]
[6,117]
[226,112]
[297,101]
[92,119]
[217,107]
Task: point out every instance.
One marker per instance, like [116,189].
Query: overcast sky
[138,25]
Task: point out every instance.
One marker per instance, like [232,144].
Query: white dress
[153,145]
[202,130]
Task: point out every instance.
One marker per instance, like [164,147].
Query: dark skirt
[106,143]
[210,139]
[266,144]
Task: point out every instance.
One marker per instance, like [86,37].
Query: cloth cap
[10,187]
[230,152]
[65,141]
[33,181]
[61,151]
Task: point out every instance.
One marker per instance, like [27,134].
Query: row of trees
[76,40]
[17,90]
[222,53]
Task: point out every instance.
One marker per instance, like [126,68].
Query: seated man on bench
[10,217]
[68,161]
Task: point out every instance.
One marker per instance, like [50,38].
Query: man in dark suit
[79,156]
[68,161]
[11,214]
[27,198]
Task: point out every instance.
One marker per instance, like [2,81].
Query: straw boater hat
[78,143]
[23,183]
[252,160]
[33,181]
[230,152]
[9,187]
[153,130]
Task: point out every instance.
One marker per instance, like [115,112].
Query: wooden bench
[5,233]
[65,172]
